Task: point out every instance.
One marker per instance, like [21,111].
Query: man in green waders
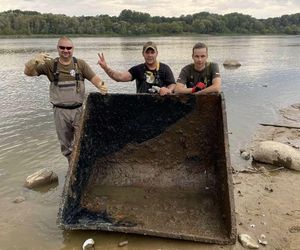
[66,75]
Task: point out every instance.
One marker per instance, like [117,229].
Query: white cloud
[255,8]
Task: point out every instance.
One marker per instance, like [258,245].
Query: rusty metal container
[152,165]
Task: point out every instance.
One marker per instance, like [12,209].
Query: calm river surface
[269,79]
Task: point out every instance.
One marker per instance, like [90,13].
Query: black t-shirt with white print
[146,78]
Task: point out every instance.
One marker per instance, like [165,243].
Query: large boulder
[278,154]
[231,63]
[41,178]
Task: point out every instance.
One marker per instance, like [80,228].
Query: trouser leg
[66,121]
[76,123]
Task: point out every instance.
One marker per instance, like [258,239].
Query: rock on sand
[41,178]
[277,153]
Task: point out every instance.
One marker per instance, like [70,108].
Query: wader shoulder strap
[157,78]
[190,80]
[77,76]
[55,71]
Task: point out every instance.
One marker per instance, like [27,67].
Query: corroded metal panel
[152,165]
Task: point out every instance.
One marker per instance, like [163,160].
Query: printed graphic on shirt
[150,78]
[72,72]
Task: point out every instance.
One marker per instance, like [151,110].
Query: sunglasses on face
[63,48]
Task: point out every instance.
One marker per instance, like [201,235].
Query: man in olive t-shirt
[66,75]
[201,76]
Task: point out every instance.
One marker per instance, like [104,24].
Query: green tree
[17,22]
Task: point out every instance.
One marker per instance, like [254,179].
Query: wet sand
[268,197]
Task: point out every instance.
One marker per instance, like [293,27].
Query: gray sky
[255,8]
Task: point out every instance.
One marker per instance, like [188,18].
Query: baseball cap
[149,45]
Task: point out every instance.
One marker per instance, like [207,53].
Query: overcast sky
[255,8]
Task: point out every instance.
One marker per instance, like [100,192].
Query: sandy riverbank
[268,200]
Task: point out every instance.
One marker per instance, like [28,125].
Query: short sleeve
[169,77]
[86,70]
[215,70]
[184,75]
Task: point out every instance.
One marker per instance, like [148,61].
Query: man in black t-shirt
[151,76]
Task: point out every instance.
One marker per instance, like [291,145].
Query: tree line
[133,23]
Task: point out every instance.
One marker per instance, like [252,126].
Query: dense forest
[133,23]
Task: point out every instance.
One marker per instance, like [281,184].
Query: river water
[269,79]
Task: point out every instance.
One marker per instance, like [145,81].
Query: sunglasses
[63,48]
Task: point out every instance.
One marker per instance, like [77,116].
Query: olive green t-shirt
[66,72]
[190,76]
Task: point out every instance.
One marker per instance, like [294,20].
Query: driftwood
[280,126]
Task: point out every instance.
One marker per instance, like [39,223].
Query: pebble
[19,199]
[262,242]
[294,229]
[247,241]
[245,155]
[88,244]
[123,243]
